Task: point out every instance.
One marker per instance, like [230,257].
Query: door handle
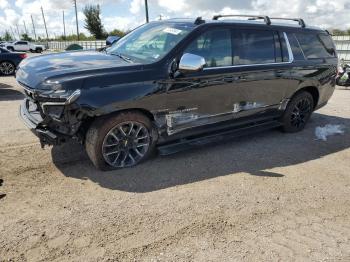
[228,79]
[279,73]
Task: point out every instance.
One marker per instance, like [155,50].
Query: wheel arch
[313,90]
[89,120]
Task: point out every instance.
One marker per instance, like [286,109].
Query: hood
[34,71]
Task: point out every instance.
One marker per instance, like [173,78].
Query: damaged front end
[51,115]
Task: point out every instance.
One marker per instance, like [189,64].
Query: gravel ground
[266,197]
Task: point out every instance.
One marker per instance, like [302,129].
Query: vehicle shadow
[253,154]
[8,93]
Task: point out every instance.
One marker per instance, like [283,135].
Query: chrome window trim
[289,48]
[290,58]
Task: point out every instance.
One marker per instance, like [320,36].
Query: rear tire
[119,141]
[39,50]
[298,112]
[11,49]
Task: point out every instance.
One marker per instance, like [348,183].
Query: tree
[93,21]
[25,37]
[73,37]
[7,36]
[117,32]
[337,32]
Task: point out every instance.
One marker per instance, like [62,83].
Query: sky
[127,14]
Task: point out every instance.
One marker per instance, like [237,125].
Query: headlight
[60,97]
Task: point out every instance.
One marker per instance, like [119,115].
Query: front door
[203,98]
[21,46]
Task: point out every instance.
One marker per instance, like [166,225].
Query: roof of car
[287,25]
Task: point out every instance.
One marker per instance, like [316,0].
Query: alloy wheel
[301,112]
[7,68]
[126,144]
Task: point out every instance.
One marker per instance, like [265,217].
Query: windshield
[150,42]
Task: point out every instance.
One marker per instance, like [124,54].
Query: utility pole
[76,17]
[47,35]
[33,27]
[13,35]
[64,27]
[19,36]
[25,28]
[146,7]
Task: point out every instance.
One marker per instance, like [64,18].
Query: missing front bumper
[33,121]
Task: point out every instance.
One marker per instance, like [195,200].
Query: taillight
[23,56]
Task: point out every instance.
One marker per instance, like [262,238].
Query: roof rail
[299,20]
[251,17]
[199,21]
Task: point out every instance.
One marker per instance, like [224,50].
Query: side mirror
[191,63]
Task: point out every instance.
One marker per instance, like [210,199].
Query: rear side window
[253,47]
[215,46]
[296,50]
[315,46]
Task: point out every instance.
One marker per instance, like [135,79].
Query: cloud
[135,6]
[3,4]
[173,6]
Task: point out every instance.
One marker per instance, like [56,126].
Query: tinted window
[214,46]
[253,47]
[21,43]
[312,46]
[328,44]
[294,45]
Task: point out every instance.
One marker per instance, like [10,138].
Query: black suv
[179,83]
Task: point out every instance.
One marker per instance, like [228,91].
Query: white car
[24,46]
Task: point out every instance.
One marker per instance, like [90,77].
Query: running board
[190,143]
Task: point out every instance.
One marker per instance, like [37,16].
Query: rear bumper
[34,121]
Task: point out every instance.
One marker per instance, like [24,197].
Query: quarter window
[214,46]
[254,47]
[315,46]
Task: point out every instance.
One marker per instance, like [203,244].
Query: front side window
[253,47]
[315,46]
[215,46]
[150,42]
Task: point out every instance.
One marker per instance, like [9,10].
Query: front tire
[298,112]
[119,141]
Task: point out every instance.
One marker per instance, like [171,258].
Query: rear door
[262,65]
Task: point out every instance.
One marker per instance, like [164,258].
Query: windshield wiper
[125,58]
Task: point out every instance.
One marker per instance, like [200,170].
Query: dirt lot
[267,197]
